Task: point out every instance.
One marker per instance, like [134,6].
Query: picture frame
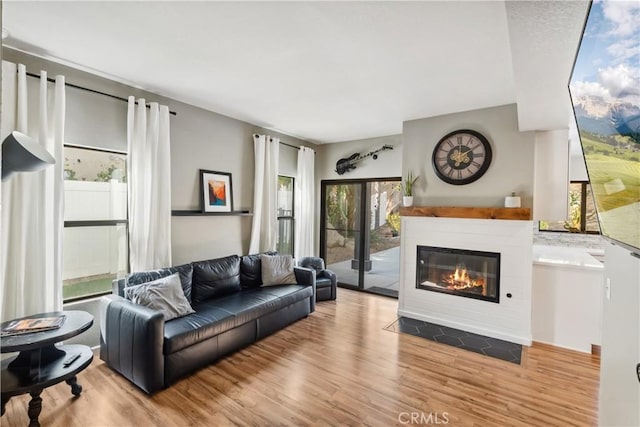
[216,191]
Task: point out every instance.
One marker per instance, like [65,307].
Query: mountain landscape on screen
[605,92]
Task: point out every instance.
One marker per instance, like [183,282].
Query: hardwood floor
[339,367]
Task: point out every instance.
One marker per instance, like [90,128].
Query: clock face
[461,157]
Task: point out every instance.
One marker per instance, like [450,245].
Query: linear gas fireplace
[472,274]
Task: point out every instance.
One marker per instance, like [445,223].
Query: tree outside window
[582,212]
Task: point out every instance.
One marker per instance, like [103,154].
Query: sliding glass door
[360,233]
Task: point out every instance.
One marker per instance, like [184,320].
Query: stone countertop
[569,257]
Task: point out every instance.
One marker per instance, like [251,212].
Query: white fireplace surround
[509,320]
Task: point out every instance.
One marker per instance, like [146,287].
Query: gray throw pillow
[277,270]
[164,295]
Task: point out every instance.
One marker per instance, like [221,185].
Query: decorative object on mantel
[346,164]
[461,157]
[521,214]
[512,201]
[216,192]
[407,189]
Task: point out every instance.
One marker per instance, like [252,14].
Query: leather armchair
[326,280]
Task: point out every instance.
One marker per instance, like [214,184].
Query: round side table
[41,363]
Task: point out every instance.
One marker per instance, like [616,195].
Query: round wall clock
[461,157]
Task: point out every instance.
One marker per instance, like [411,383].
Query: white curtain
[264,229]
[32,203]
[149,185]
[304,204]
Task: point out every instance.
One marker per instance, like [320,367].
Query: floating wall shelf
[199,213]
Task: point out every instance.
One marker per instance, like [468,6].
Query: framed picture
[216,192]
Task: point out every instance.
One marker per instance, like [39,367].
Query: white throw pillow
[277,270]
[164,295]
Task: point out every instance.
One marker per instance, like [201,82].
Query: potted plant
[407,189]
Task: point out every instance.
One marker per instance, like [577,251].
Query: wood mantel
[522,214]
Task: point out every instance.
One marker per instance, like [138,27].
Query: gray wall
[388,164]
[619,388]
[200,139]
[511,168]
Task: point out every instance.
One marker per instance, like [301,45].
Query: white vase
[407,201]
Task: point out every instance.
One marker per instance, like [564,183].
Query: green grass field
[614,173]
[605,168]
[89,286]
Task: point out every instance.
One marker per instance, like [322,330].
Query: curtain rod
[288,145]
[173,113]
[293,146]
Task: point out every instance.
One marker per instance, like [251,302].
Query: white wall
[567,306]
[619,386]
[511,168]
[551,175]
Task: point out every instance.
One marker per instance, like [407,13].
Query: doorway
[360,233]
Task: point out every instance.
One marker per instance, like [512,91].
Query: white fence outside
[93,251]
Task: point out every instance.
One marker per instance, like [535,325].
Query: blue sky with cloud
[608,63]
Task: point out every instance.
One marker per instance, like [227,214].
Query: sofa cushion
[205,323]
[277,270]
[248,305]
[215,278]
[251,270]
[164,295]
[185,271]
[288,294]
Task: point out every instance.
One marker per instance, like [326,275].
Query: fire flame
[460,279]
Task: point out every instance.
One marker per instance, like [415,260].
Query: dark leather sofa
[232,310]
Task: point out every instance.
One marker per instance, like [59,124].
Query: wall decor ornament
[347,163]
[216,191]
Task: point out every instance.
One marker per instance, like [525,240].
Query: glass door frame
[363,220]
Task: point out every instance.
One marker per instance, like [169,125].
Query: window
[582,212]
[95,221]
[286,216]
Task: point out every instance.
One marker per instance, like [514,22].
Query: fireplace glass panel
[472,274]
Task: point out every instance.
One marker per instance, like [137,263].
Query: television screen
[605,92]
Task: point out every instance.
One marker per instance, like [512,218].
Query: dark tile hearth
[488,346]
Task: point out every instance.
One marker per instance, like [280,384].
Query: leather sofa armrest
[307,277]
[131,341]
[330,275]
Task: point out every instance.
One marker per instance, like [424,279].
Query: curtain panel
[264,228]
[304,204]
[32,203]
[149,185]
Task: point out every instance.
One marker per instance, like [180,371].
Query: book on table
[27,326]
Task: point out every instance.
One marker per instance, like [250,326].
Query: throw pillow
[185,270]
[251,270]
[277,270]
[164,295]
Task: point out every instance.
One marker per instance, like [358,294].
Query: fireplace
[471,274]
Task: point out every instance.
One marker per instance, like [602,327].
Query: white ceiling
[322,71]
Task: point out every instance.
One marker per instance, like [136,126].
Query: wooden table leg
[35,406]
[76,388]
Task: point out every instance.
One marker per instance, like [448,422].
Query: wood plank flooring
[339,367]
